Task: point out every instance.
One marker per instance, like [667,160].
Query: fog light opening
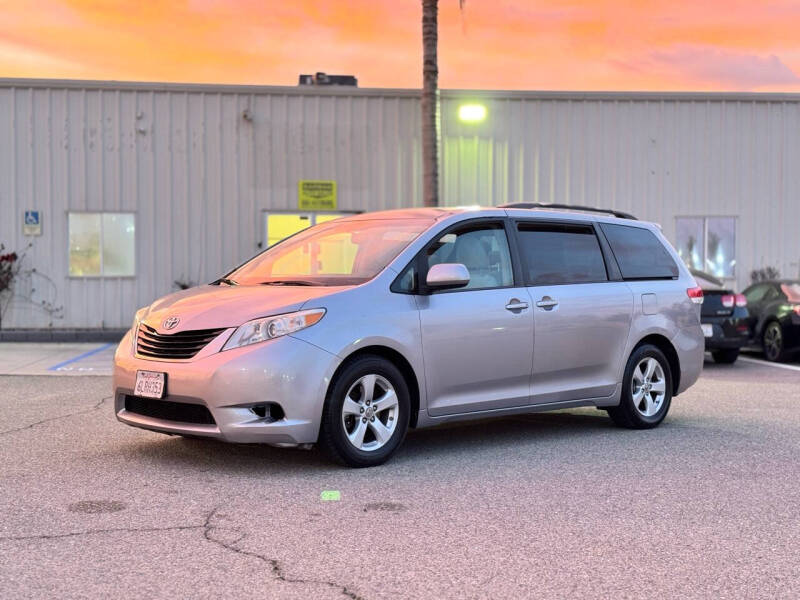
[269,412]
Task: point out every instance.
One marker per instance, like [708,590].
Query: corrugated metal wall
[655,156]
[196,171]
[199,164]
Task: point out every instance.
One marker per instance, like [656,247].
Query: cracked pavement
[549,505]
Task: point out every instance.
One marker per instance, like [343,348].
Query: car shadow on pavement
[463,438]
[208,456]
[508,432]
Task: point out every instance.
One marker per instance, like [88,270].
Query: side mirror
[447,276]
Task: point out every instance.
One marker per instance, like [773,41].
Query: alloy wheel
[648,386]
[773,341]
[370,412]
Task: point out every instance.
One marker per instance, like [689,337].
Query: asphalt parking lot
[549,505]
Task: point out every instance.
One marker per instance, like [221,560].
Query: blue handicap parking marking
[63,365]
[31,217]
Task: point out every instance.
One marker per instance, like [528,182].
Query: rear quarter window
[639,253]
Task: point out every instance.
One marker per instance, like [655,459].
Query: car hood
[218,306]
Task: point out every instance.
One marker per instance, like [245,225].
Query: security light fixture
[472,113]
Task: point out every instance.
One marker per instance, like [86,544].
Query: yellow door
[281,225]
[323,217]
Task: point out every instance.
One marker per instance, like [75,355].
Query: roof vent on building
[325,79]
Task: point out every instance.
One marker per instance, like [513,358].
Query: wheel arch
[666,347]
[768,320]
[398,360]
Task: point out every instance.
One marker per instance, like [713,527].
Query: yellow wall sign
[316,195]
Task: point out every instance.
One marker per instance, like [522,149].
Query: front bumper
[289,372]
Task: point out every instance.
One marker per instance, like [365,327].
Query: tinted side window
[755,293]
[772,293]
[639,253]
[556,253]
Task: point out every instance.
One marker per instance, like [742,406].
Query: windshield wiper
[224,280]
[288,282]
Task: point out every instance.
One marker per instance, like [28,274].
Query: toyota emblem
[171,322]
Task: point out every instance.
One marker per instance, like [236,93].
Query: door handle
[515,304]
[547,303]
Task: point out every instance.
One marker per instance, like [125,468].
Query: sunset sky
[494,44]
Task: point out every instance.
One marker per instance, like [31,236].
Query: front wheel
[366,413]
[725,357]
[646,390]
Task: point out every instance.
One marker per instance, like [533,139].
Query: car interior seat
[475,254]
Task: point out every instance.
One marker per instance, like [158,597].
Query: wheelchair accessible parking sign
[32,225]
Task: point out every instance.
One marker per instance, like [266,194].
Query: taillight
[695,294]
[728,300]
[741,300]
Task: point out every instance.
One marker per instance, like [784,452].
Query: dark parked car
[724,318]
[775,317]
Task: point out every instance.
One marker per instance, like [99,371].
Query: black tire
[772,342]
[727,356]
[333,438]
[626,414]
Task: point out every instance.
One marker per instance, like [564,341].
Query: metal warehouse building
[123,189]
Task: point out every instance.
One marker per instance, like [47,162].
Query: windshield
[334,253]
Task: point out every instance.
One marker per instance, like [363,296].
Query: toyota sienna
[352,331]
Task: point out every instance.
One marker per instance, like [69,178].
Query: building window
[102,244]
[707,244]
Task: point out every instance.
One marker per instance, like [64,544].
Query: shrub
[9,267]
[764,274]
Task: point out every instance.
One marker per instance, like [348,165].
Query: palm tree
[430,80]
[430,104]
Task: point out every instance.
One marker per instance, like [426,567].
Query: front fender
[370,316]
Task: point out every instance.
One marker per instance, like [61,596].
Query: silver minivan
[350,332]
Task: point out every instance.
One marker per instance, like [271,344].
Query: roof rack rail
[607,211]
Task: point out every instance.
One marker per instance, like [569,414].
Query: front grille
[166,410]
[181,345]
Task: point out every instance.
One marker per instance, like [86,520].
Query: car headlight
[138,317]
[268,328]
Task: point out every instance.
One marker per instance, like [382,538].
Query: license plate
[149,384]
[708,329]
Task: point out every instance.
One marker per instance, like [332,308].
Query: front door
[477,340]
[758,296]
[581,318]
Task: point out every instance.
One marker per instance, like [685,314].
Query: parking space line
[769,364]
[80,357]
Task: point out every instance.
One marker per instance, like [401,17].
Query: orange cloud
[512,44]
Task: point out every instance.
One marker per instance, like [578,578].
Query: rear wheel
[772,342]
[725,357]
[366,413]
[646,390]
